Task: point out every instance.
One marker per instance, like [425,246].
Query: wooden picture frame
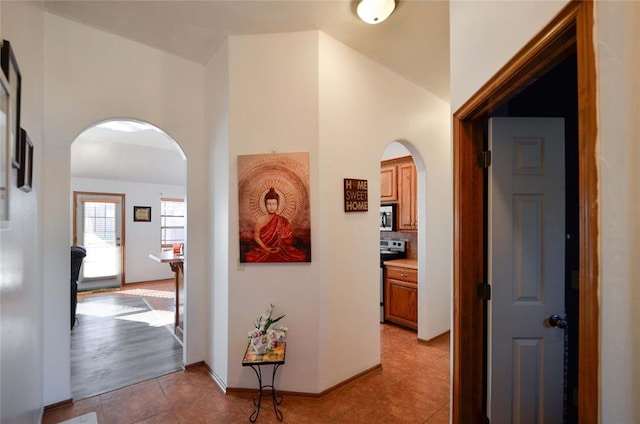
[142,213]
[25,172]
[5,97]
[274,215]
[14,77]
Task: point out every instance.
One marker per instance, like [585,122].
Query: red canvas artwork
[274,213]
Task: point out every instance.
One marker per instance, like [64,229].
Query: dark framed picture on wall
[142,213]
[12,72]
[4,153]
[25,172]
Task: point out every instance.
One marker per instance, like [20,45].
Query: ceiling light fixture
[375,11]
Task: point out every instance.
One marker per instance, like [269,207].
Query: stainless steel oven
[388,217]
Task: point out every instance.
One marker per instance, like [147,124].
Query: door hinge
[484,159]
[484,291]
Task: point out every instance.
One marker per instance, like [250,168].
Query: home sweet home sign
[355,195]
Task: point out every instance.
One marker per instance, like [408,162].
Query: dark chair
[77,255]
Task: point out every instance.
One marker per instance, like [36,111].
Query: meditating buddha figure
[273,234]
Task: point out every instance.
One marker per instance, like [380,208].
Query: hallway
[412,387]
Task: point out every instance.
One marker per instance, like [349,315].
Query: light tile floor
[412,387]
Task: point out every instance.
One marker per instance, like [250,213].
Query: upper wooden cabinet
[399,184]
[389,183]
[407,197]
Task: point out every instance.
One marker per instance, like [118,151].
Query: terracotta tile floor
[412,387]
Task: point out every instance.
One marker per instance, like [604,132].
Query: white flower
[265,332]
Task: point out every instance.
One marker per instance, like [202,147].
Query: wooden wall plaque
[356,195]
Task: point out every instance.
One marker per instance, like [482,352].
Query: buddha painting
[274,217]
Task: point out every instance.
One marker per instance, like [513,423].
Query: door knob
[556,320]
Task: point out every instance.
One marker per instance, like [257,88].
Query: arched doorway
[128,183]
[411,201]
[398,237]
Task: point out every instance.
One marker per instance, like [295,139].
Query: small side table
[254,360]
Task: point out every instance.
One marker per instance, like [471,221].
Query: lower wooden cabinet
[401,296]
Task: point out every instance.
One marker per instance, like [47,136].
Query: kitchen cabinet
[388,183]
[399,184]
[401,296]
[407,197]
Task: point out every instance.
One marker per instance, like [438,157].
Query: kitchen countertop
[403,263]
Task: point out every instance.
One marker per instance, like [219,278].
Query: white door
[526,270]
[98,227]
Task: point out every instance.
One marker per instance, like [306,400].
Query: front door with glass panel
[98,227]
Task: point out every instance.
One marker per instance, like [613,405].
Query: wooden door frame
[569,32]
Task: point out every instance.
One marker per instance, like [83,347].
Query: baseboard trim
[61,404]
[196,365]
[242,391]
[216,379]
[161,280]
[434,339]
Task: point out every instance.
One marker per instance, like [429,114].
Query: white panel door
[526,270]
[98,227]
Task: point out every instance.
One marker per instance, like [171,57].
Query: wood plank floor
[120,340]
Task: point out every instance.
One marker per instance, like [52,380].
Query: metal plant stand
[254,360]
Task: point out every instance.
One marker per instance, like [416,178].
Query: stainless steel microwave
[388,217]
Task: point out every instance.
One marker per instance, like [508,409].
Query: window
[171,221]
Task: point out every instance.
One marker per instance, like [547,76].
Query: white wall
[484,35]
[314,94]
[273,104]
[217,113]
[141,238]
[618,65]
[363,107]
[478,24]
[91,76]
[21,290]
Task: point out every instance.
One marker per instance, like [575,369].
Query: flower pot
[259,345]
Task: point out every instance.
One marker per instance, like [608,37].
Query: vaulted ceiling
[413,42]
